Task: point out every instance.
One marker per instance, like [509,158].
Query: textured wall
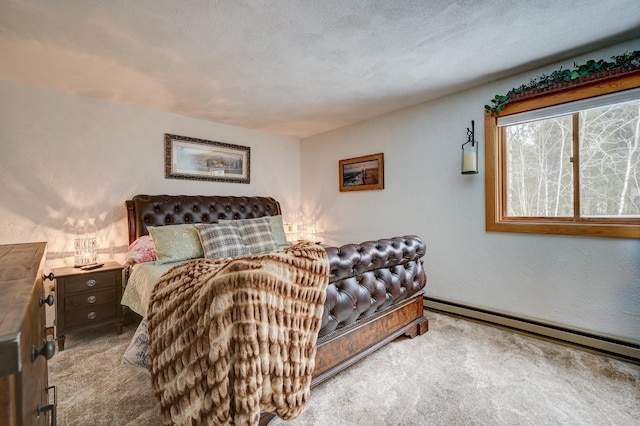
[68,163]
[584,282]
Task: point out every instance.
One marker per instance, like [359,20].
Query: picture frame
[362,173]
[201,159]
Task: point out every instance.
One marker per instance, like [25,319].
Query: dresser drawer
[89,299]
[83,317]
[89,282]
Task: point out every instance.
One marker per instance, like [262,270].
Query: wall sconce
[85,251]
[470,153]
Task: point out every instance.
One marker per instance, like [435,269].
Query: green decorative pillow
[221,240]
[256,234]
[175,243]
[277,230]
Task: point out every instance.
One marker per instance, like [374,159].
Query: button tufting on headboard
[158,210]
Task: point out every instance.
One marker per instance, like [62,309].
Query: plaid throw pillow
[221,240]
[256,234]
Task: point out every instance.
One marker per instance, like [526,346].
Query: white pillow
[137,354]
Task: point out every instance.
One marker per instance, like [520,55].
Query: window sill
[564,228]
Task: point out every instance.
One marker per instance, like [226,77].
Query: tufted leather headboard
[158,210]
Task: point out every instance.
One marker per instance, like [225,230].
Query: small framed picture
[200,159]
[362,173]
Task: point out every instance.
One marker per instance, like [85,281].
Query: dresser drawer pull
[49,300]
[91,283]
[47,409]
[91,299]
[92,315]
[47,350]
[51,408]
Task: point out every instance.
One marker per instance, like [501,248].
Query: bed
[374,292]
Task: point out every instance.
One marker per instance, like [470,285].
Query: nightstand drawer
[89,299]
[95,281]
[89,315]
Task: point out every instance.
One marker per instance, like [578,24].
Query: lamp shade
[85,251]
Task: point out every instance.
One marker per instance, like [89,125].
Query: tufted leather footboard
[367,278]
[374,296]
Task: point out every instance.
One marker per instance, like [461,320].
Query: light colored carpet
[459,373]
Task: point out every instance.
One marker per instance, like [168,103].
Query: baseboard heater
[599,343]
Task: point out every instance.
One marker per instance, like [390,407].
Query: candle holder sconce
[470,153]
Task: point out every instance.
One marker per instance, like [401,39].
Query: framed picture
[199,159]
[362,173]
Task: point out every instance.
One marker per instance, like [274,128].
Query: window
[567,163]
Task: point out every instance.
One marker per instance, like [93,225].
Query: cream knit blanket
[229,338]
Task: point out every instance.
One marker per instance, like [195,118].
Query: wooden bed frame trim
[335,352]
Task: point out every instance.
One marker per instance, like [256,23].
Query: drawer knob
[91,283]
[92,315]
[91,299]
[49,300]
[47,350]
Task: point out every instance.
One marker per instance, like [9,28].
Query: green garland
[626,60]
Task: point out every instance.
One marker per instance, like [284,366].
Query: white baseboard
[606,345]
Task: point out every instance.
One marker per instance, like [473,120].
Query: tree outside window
[540,167]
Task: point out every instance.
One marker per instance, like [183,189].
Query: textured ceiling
[293,67]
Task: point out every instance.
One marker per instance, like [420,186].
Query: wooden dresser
[24,350]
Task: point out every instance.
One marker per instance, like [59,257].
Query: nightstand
[87,299]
